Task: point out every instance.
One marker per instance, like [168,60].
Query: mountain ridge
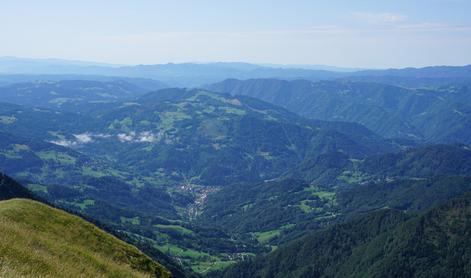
[198,74]
[438,115]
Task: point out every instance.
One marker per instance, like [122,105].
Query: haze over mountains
[234,169]
[198,74]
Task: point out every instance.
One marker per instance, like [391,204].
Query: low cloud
[123,137]
[79,139]
[64,143]
[87,138]
[84,138]
[146,136]
[142,137]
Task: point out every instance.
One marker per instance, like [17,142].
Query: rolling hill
[213,139]
[183,135]
[69,95]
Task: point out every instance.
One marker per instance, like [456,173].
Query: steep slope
[432,115]
[411,195]
[40,241]
[370,104]
[382,244]
[11,189]
[423,162]
[436,244]
[319,253]
[275,212]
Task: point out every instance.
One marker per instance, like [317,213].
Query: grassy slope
[40,241]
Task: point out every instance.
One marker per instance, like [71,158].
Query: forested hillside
[335,189]
[432,115]
[385,243]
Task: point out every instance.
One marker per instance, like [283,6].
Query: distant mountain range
[198,74]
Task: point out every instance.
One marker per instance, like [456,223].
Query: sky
[348,33]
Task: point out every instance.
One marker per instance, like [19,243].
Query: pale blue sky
[353,33]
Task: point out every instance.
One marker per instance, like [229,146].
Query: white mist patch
[101,135]
[64,143]
[146,136]
[133,137]
[80,139]
[123,137]
[84,138]
[88,137]
[458,112]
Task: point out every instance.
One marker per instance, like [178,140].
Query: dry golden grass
[39,241]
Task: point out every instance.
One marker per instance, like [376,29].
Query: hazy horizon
[364,34]
[291,66]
